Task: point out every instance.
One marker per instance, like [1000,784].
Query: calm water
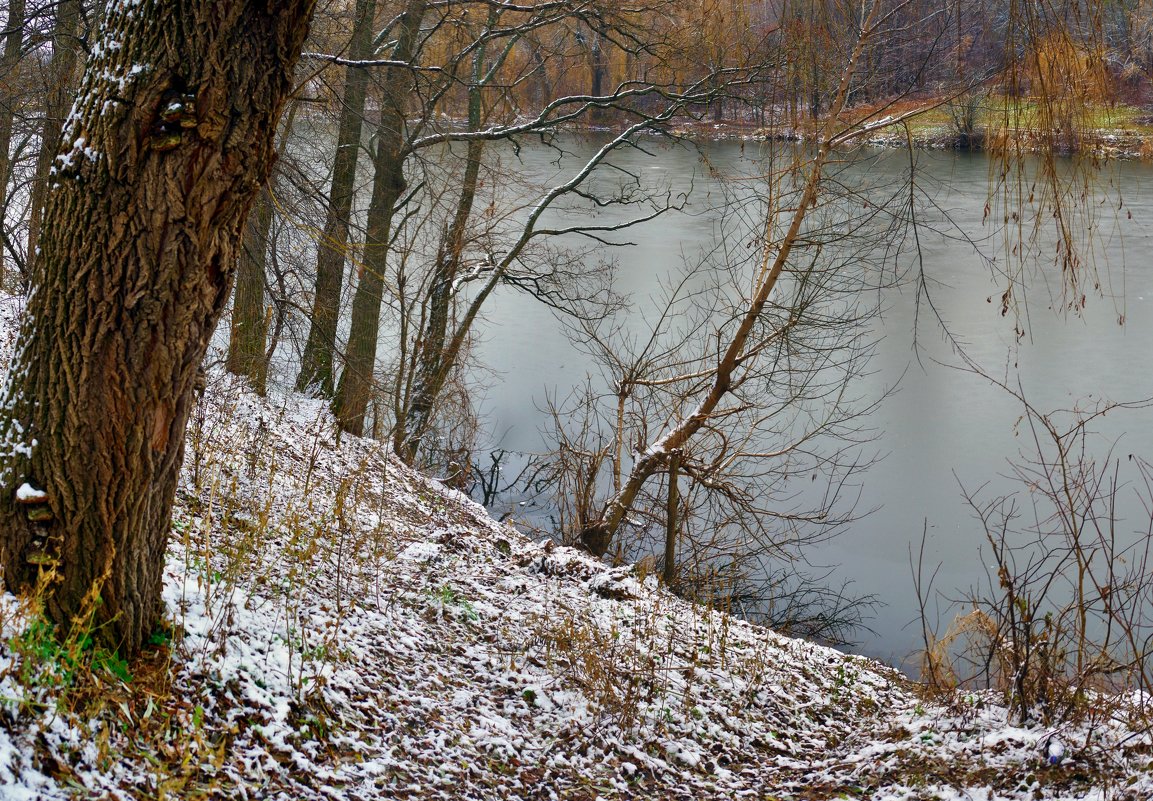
[942,427]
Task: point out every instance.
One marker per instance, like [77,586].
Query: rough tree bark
[388,184]
[13,43]
[331,251]
[168,143]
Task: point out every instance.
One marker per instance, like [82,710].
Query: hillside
[342,628]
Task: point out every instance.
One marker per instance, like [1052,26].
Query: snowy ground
[347,629]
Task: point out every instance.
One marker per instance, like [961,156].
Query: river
[940,427]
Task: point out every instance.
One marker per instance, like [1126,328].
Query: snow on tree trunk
[166,147]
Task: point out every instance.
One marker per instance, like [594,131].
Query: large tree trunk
[169,141]
[332,250]
[355,391]
[248,333]
[61,70]
[13,42]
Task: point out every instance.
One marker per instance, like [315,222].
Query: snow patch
[26,493]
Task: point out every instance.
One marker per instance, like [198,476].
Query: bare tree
[60,87]
[742,349]
[388,184]
[249,351]
[1064,608]
[9,59]
[478,67]
[332,249]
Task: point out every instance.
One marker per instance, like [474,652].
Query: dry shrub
[622,667]
[1066,69]
[1065,617]
[937,662]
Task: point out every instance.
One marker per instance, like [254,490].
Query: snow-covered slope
[348,629]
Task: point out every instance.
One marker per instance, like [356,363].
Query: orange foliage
[1060,68]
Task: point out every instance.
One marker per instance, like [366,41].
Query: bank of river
[1110,132]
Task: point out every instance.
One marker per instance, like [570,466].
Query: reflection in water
[943,427]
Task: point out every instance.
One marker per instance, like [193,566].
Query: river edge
[1101,143]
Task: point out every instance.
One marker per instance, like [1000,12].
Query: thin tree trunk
[599,66]
[249,330]
[332,250]
[433,363]
[169,142]
[670,571]
[388,184]
[248,355]
[61,70]
[543,90]
[13,42]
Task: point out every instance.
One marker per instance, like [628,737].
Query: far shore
[1108,132]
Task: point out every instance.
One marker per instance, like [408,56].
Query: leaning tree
[167,144]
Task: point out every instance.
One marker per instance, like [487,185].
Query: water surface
[942,427]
